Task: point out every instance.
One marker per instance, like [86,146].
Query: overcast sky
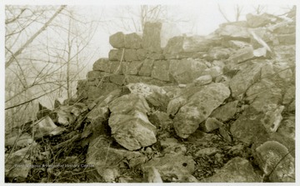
[204,17]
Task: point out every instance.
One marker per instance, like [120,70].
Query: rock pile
[238,81]
[216,108]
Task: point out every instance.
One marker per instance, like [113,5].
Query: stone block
[146,68]
[151,37]
[131,68]
[117,40]
[133,41]
[161,70]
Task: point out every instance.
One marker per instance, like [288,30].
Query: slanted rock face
[199,107]
[249,128]
[244,79]
[129,123]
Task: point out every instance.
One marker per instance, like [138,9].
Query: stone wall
[138,58]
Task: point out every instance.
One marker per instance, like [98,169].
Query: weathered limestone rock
[244,79]
[24,140]
[117,79]
[233,31]
[116,54]
[203,80]
[117,40]
[155,55]
[238,44]
[142,79]
[127,103]
[186,70]
[129,123]
[225,112]
[287,128]
[236,170]
[275,161]
[161,70]
[141,54]
[18,164]
[146,68]
[133,41]
[259,20]
[173,165]
[218,53]
[272,117]
[104,157]
[101,64]
[180,46]
[92,75]
[46,127]
[285,39]
[175,104]
[242,55]
[151,37]
[131,68]
[172,146]
[130,55]
[155,95]
[103,88]
[249,128]
[115,67]
[289,95]
[82,89]
[161,120]
[174,47]
[199,107]
[214,72]
[210,125]
[263,93]
[152,175]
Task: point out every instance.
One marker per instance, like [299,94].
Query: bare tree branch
[223,14]
[18,52]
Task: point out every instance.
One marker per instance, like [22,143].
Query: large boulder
[129,122]
[199,107]
[249,128]
[186,70]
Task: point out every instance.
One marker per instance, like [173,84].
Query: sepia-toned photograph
[200,92]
